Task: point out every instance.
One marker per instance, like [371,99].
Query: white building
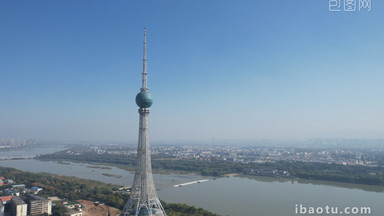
[18,207]
[73,212]
[1,208]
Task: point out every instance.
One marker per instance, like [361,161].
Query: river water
[236,196]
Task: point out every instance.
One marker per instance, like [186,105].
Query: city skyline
[234,70]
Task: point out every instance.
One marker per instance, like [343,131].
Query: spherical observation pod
[144,99]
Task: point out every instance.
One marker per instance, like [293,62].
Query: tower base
[137,208]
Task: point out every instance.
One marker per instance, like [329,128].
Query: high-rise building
[143,199]
[38,205]
[18,207]
[2,208]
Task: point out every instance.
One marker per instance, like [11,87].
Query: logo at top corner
[350,5]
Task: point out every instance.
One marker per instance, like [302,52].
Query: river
[236,196]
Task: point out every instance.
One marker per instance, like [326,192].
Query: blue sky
[275,69]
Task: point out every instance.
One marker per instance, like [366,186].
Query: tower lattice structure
[143,199]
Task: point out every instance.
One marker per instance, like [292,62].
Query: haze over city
[217,69]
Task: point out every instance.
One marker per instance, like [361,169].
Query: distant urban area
[343,152]
[15,143]
[340,160]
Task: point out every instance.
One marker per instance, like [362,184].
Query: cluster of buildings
[18,200]
[268,172]
[5,181]
[30,204]
[15,143]
[73,208]
[248,154]
[261,154]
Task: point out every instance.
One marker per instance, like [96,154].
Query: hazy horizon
[247,70]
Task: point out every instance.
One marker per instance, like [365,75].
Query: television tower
[143,199]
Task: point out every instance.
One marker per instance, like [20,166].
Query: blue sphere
[144,99]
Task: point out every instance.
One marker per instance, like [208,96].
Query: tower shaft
[143,182]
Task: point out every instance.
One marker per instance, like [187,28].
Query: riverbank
[216,195]
[285,169]
[72,188]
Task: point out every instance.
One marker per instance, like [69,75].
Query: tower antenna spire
[144,79]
